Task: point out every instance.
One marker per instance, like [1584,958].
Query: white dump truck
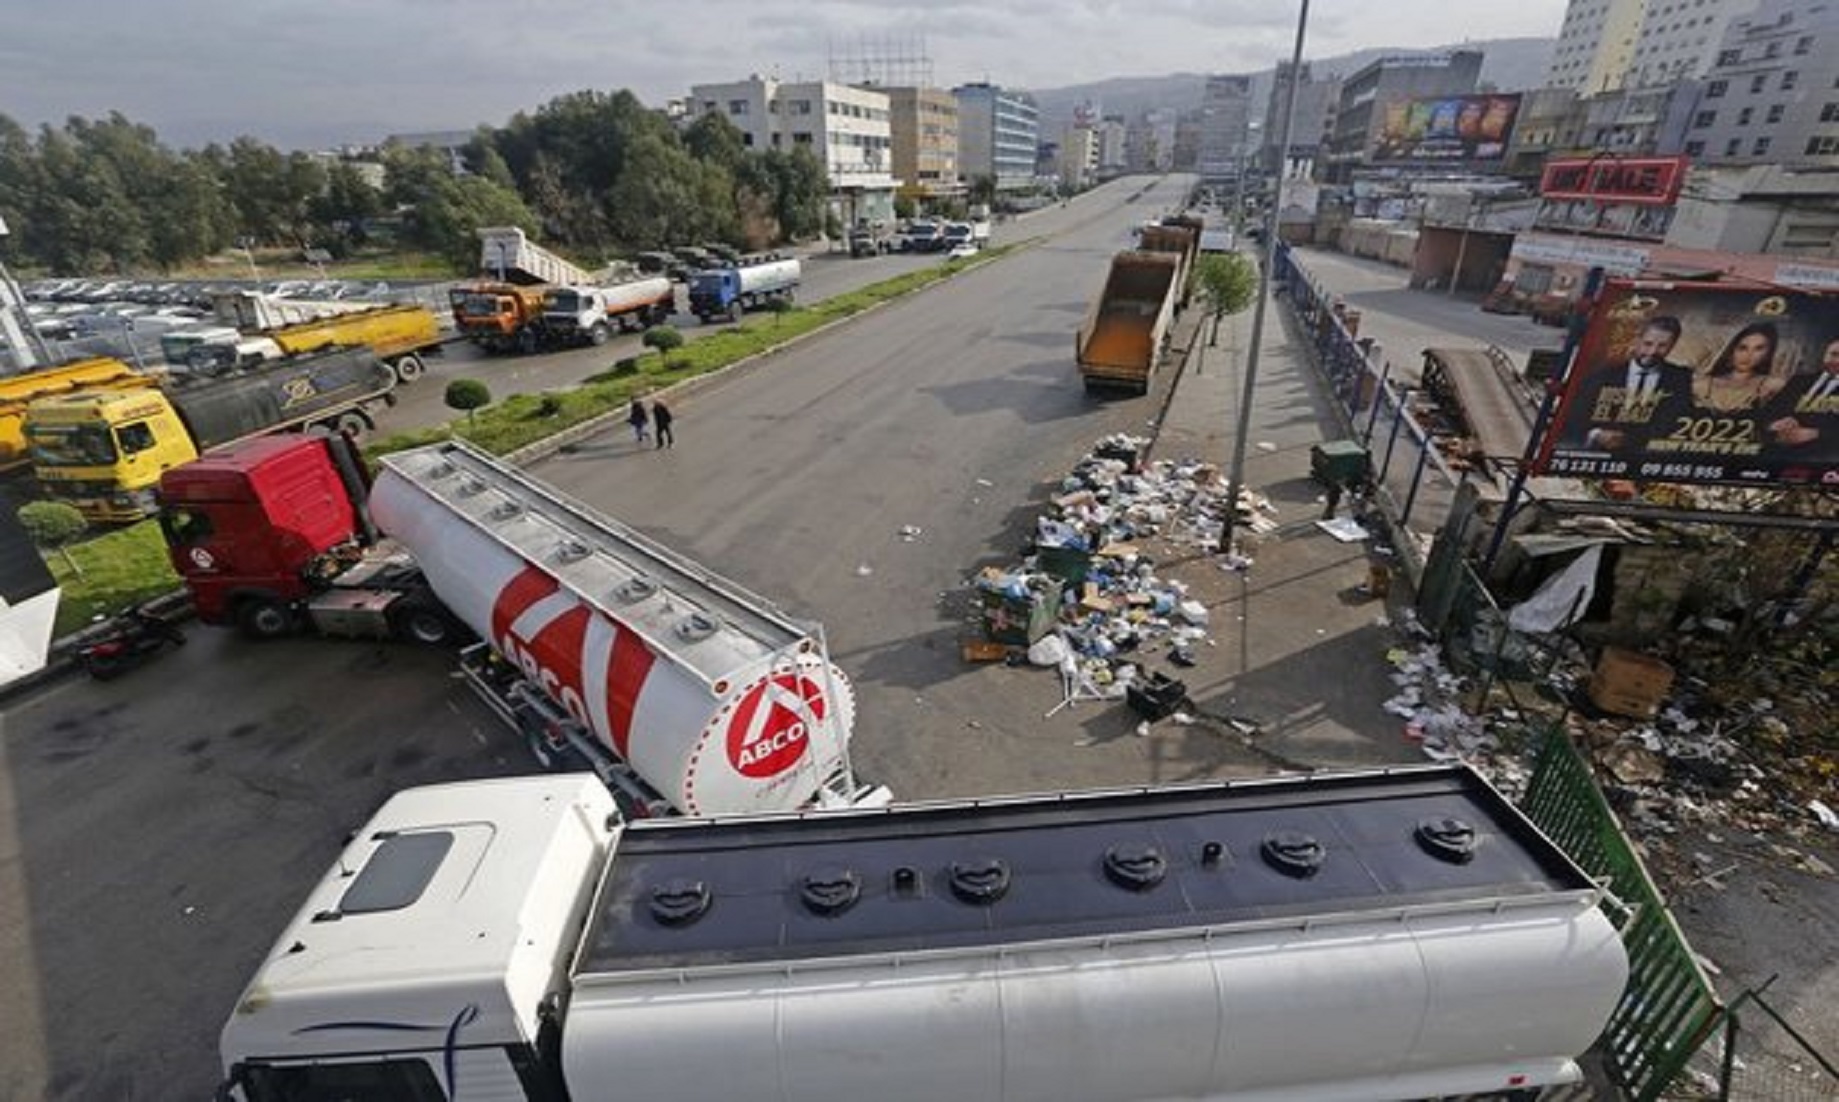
[1378,935]
[684,691]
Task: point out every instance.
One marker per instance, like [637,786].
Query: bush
[54,526]
[468,396]
[666,339]
[626,365]
[550,405]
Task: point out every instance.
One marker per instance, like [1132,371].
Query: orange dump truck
[500,316]
[1124,333]
[1181,236]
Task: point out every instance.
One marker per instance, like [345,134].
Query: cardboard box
[982,650]
[1628,683]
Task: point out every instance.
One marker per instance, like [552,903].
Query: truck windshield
[476,306]
[706,282]
[563,302]
[71,445]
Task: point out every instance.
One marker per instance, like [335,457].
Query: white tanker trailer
[1379,935]
[682,689]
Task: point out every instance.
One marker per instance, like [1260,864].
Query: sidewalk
[1297,650]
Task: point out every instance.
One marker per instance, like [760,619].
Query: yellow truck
[104,450]
[17,392]
[258,327]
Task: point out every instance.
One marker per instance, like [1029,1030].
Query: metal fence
[1410,474]
[1669,1007]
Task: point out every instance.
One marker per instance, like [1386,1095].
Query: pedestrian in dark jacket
[637,419]
[660,415]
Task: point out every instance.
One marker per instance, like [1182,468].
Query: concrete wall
[1379,241]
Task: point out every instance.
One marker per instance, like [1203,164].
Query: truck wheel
[408,368]
[416,620]
[526,341]
[352,423]
[598,335]
[734,311]
[264,618]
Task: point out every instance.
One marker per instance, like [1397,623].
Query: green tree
[982,189]
[468,396]
[1229,281]
[666,339]
[446,211]
[340,212]
[271,190]
[54,526]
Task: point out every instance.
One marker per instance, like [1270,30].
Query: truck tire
[353,423]
[264,618]
[408,368]
[597,334]
[734,310]
[420,620]
[526,341]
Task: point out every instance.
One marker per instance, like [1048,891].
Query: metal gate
[1669,1006]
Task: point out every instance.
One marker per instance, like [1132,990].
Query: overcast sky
[302,73]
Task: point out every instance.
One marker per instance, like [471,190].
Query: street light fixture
[1235,483]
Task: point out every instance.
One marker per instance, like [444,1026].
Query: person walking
[638,419]
[661,416]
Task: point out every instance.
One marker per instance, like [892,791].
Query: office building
[997,135]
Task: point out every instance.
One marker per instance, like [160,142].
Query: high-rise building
[1678,39]
[997,135]
[1113,138]
[1595,44]
[1225,118]
[924,122]
[1078,156]
[1313,120]
[1771,95]
[1185,146]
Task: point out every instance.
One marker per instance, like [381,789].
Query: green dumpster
[1339,463]
[1069,564]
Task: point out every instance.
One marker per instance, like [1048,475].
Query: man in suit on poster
[1804,411]
[1623,405]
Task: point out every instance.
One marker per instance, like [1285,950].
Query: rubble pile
[1087,599]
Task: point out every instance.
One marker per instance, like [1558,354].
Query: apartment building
[1771,95]
[924,122]
[847,128]
[1595,44]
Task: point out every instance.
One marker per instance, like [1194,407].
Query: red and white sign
[770,730]
[1642,181]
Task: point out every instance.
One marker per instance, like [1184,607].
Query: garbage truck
[724,292]
[1127,328]
[1363,936]
[105,450]
[595,645]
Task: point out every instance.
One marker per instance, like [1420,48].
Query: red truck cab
[247,524]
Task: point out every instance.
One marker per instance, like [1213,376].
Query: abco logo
[771,726]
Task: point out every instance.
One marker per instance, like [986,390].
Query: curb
[61,661]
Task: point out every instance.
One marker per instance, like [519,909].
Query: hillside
[1510,64]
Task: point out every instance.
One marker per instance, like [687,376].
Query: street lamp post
[1235,483]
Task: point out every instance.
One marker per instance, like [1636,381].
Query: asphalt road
[825,275]
[156,832]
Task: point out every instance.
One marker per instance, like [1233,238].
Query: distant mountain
[1509,64]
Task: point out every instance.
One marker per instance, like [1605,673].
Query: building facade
[1225,120]
[1762,209]
[997,135]
[1078,157]
[1360,114]
[847,128]
[1771,94]
[1679,39]
[1595,44]
[924,123]
[1312,121]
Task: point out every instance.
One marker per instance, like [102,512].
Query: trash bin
[1339,463]
[1156,696]
[1069,564]
[1017,620]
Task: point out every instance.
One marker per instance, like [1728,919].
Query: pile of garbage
[1087,599]
[1692,765]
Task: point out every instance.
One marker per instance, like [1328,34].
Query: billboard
[1447,128]
[1644,181]
[1702,383]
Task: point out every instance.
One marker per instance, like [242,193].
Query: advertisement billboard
[1447,128]
[1644,181]
[1702,383]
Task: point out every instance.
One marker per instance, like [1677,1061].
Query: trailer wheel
[264,618]
[408,368]
[353,423]
[416,620]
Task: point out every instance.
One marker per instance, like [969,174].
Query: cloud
[353,70]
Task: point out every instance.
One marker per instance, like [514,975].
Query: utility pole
[1235,483]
